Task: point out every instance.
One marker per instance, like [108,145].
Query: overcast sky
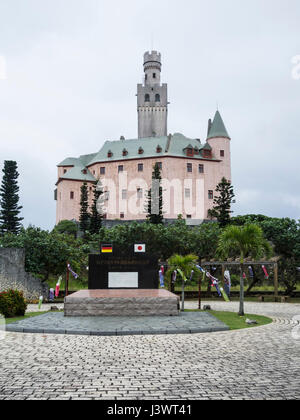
[71,72]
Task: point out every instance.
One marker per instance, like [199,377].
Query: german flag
[106,249]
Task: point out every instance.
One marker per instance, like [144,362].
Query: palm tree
[243,241]
[184,265]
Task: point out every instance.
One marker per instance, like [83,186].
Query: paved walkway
[258,363]
[57,323]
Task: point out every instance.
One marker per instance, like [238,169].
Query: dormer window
[110,154]
[207,154]
[125,152]
[84,171]
[158,149]
[190,152]
[196,151]
[141,151]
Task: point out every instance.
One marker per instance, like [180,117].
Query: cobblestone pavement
[260,363]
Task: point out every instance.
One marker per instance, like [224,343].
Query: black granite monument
[110,270]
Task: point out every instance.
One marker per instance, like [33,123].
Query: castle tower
[152,99]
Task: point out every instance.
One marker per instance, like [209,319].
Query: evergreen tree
[222,203]
[154,205]
[84,219]
[9,199]
[96,216]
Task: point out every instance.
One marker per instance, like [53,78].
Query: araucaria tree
[96,216]
[84,219]
[9,199]
[154,205]
[222,203]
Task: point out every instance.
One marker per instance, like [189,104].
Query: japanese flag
[140,248]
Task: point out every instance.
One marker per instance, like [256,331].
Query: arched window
[147,97]
[157,98]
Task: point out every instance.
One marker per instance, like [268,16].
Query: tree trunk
[242,310]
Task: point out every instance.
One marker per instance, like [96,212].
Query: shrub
[12,303]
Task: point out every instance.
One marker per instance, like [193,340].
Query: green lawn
[236,322]
[20,318]
[74,285]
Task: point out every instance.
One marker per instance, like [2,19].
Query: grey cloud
[73,66]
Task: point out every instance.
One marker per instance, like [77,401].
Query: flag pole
[67,281]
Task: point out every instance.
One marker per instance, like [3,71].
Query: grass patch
[21,318]
[236,322]
[74,284]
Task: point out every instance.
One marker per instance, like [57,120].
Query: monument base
[119,302]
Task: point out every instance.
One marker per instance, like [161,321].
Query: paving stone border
[56,323]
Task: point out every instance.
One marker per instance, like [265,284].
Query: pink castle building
[190,169]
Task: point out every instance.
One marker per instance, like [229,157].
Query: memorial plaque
[107,271]
[123,280]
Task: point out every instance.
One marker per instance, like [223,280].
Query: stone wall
[14,276]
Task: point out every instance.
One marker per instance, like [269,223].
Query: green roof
[172,145]
[217,128]
[78,174]
[79,166]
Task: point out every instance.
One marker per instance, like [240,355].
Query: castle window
[189,167]
[140,167]
[147,97]
[159,164]
[190,151]
[122,216]
[201,169]
[189,216]
[207,154]
[157,98]
[110,154]
[141,151]
[71,195]
[125,152]
[102,171]
[154,75]
[121,168]
[222,153]
[84,171]
[65,171]
[139,193]
[187,193]
[210,195]
[158,149]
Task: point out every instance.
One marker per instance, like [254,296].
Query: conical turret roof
[217,128]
